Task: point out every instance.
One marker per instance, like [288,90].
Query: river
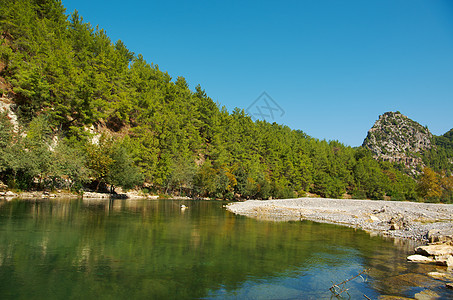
[151,249]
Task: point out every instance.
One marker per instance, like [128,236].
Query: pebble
[354,213]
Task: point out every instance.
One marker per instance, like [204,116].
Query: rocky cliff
[396,138]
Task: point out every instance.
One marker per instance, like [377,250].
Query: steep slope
[396,138]
[93,114]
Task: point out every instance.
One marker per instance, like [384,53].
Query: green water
[142,249]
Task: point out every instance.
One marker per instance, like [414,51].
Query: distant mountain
[396,138]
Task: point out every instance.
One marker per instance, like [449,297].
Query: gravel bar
[410,220]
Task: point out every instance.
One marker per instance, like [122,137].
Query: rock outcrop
[396,138]
[439,253]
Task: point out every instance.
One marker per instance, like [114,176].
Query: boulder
[10,194]
[420,259]
[440,235]
[435,250]
[449,285]
[444,260]
[450,261]
[398,222]
[426,295]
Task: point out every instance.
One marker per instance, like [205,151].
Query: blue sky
[332,66]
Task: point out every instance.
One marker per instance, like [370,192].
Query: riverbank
[411,220]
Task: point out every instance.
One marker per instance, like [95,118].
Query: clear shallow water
[141,249]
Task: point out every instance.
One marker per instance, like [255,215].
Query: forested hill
[93,114]
[396,138]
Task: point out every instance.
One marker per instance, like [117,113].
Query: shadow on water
[115,249]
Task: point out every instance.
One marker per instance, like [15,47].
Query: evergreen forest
[92,115]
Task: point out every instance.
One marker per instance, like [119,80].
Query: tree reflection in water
[152,249]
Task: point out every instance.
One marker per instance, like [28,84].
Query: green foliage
[70,164]
[122,171]
[68,77]
[6,135]
[440,158]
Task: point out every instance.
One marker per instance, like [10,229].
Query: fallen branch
[338,289]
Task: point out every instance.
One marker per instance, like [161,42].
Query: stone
[449,285]
[10,194]
[440,235]
[379,211]
[394,227]
[444,260]
[426,295]
[95,195]
[420,259]
[450,261]
[375,219]
[435,250]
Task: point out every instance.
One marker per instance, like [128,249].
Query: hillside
[396,138]
[88,114]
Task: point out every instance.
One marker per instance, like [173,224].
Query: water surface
[142,249]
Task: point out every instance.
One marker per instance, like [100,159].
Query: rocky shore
[424,222]
[413,220]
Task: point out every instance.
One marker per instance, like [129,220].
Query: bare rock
[449,285]
[420,259]
[426,295]
[376,211]
[450,261]
[440,235]
[435,250]
[10,194]
[398,222]
[444,260]
[374,219]
[95,195]
[394,227]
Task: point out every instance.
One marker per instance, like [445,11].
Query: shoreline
[411,220]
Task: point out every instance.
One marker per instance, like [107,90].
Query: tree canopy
[90,110]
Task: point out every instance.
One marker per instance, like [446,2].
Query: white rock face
[5,106]
[420,258]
